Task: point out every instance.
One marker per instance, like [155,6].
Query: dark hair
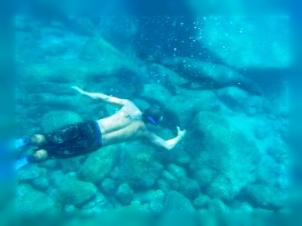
[152,115]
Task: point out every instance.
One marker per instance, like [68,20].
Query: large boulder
[219,167]
[56,63]
[265,196]
[109,186]
[246,42]
[210,76]
[201,202]
[124,194]
[71,191]
[32,202]
[175,201]
[98,164]
[139,166]
[155,199]
[30,173]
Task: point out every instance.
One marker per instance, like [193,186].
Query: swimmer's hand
[83,92]
[78,89]
[181,133]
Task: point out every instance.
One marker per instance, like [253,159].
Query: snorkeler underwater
[150,105]
[76,139]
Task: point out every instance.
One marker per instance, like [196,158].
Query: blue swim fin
[20,143]
[20,163]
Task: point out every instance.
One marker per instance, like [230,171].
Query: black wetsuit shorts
[73,140]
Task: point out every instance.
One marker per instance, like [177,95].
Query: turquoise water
[221,76]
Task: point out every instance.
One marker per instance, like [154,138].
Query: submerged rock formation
[234,156]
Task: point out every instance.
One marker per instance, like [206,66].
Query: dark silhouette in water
[209,76]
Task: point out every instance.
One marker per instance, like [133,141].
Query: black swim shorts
[73,140]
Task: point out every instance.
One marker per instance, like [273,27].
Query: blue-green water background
[219,71]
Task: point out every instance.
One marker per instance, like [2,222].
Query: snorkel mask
[153,116]
[153,121]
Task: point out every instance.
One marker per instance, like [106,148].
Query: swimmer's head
[153,115]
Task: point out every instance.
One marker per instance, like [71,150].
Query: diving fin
[20,143]
[20,163]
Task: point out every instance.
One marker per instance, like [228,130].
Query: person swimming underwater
[127,124]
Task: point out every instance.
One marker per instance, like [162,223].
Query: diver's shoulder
[131,105]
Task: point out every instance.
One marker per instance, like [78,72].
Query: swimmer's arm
[101,96]
[167,144]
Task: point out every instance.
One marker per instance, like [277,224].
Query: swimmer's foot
[38,139]
[40,155]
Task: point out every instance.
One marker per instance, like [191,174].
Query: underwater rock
[50,164]
[163,185]
[70,164]
[177,171]
[170,179]
[261,130]
[175,201]
[278,152]
[97,206]
[203,175]
[201,202]
[30,173]
[103,58]
[154,198]
[256,106]
[41,184]
[109,186]
[72,191]
[217,205]
[243,207]
[233,97]
[219,167]
[244,42]
[164,76]
[46,102]
[31,202]
[264,196]
[124,194]
[209,76]
[98,164]
[222,188]
[138,166]
[160,92]
[188,107]
[70,211]
[189,187]
[56,119]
